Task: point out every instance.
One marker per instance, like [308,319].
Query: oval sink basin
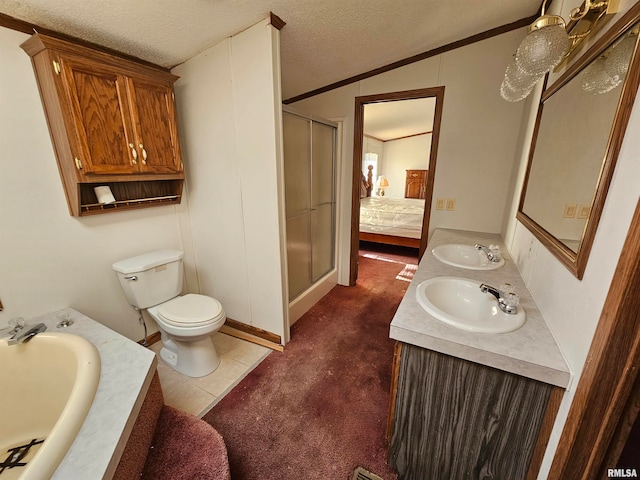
[465,256]
[460,303]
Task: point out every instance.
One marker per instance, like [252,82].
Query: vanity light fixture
[547,44]
[610,69]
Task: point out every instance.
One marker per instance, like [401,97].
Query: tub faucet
[492,252]
[27,334]
[507,301]
[15,325]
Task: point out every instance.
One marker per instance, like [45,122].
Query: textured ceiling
[324,41]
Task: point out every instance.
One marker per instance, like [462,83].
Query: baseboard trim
[151,339]
[238,330]
[252,334]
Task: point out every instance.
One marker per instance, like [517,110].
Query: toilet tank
[152,278]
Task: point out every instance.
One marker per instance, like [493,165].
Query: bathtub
[47,387]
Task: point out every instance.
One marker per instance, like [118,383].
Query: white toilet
[153,281]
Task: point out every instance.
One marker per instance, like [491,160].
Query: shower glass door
[310,205]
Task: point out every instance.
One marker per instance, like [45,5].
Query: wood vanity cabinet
[459,420]
[112,122]
[415,185]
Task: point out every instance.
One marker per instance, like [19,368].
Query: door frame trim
[358,131]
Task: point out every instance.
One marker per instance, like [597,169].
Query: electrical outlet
[440,204]
[451,204]
[570,210]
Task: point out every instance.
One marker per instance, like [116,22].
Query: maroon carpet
[319,410]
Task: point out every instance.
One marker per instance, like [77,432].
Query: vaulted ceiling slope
[323,42]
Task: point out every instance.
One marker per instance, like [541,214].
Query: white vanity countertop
[126,372]
[531,351]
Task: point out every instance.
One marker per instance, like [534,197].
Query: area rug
[319,409]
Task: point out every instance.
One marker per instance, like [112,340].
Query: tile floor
[198,395]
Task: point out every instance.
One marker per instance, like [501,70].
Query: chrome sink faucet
[27,334]
[507,300]
[492,252]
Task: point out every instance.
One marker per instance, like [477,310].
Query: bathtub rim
[74,413]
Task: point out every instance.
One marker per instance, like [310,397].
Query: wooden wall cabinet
[415,185]
[112,122]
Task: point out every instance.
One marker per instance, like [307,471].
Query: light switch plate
[570,210]
[583,211]
[451,204]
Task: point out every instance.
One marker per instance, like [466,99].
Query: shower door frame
[319,288]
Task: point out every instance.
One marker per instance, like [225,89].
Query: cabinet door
[154,117]
[455,419]
[415,185]
[100,117]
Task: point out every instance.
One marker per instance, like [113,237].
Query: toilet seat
[191,310]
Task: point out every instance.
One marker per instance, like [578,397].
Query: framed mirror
[581,122]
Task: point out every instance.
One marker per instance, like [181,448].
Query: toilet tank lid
[146,261]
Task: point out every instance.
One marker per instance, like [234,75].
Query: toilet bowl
[186,324]
[153,282]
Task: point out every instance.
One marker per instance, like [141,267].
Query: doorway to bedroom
[395,150]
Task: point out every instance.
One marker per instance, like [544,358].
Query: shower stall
[310,200]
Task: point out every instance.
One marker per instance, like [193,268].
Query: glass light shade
[516,84]
[597,80]
[542,49]
[619,55]
[511,94]
[517,78]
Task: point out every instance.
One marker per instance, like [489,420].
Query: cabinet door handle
[144,154]
[134,154]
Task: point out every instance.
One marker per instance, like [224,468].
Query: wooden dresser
[415,185]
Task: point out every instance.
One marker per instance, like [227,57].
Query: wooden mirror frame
[576,262]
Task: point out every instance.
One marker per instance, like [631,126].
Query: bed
[392,221]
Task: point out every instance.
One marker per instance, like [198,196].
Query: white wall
[228,102]
[48,259]
[401,155]
[478,138]
[571,307]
